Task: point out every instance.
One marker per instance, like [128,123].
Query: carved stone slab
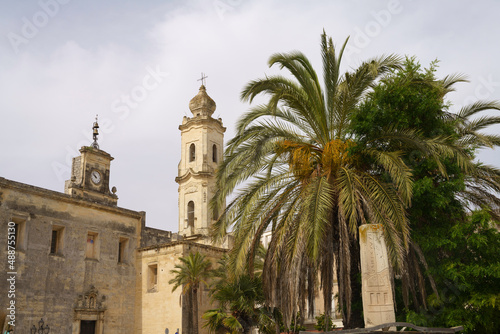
[378,305]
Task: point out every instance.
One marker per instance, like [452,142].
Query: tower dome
[202,104]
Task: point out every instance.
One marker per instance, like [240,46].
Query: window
[214,153]
[56,241]
[122,250]
[153,277]
[16,233]
[92,246]
[190,213]
[19,226]
[192,153]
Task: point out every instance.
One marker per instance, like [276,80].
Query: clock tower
[90,174]
[202,140]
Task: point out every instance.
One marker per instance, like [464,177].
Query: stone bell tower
[202,140]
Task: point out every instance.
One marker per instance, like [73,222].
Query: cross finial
[202,79]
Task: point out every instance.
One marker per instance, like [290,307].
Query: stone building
[85,265]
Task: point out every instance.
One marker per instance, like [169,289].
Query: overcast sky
[136,64]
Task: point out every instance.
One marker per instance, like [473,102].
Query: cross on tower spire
[202,79]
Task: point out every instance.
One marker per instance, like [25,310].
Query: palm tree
[483,186]
[303,173]
[240,300]
[193,270]
[239,305]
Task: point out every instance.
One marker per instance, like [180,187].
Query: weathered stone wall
[48,285]
[153,236]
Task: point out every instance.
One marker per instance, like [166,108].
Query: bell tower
[202,140]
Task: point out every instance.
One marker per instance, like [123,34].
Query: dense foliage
[309,179]
[373,145]
[461,250]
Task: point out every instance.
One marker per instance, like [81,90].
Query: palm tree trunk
[194,303]
[187,313]
[329,259]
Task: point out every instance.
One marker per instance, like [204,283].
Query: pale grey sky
[136,64]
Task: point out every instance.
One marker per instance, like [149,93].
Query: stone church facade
[84,265]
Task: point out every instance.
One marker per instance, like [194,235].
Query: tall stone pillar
[378,304]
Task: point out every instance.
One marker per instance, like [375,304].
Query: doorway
[87,326]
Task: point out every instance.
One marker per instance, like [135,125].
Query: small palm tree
[240,300]
[193,271]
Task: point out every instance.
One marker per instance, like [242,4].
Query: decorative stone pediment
[91,301]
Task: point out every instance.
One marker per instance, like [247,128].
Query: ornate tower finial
[202,79]
[95,133]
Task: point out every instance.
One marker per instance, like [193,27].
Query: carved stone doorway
[89,313]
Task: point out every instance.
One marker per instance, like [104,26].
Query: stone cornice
[191,173]
[58,196]
[201,120]
[96,151]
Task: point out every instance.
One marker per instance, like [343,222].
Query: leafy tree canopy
[461,248]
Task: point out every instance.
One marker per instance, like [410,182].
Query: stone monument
[378,303]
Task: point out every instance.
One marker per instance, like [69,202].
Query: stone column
[378,305]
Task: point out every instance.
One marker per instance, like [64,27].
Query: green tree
[322,324]
[467,272]
[239,301]
[193,271]
[306,175]
[454,248]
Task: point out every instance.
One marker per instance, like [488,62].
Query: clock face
[95,176]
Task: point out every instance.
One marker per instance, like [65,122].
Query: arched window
[214,153]
[192,153]
[190,213]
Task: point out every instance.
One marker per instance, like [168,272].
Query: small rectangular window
[16,233]
[153,278]
[19,225]
[122,250]
[56,240]
[53,243]
[92,246]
